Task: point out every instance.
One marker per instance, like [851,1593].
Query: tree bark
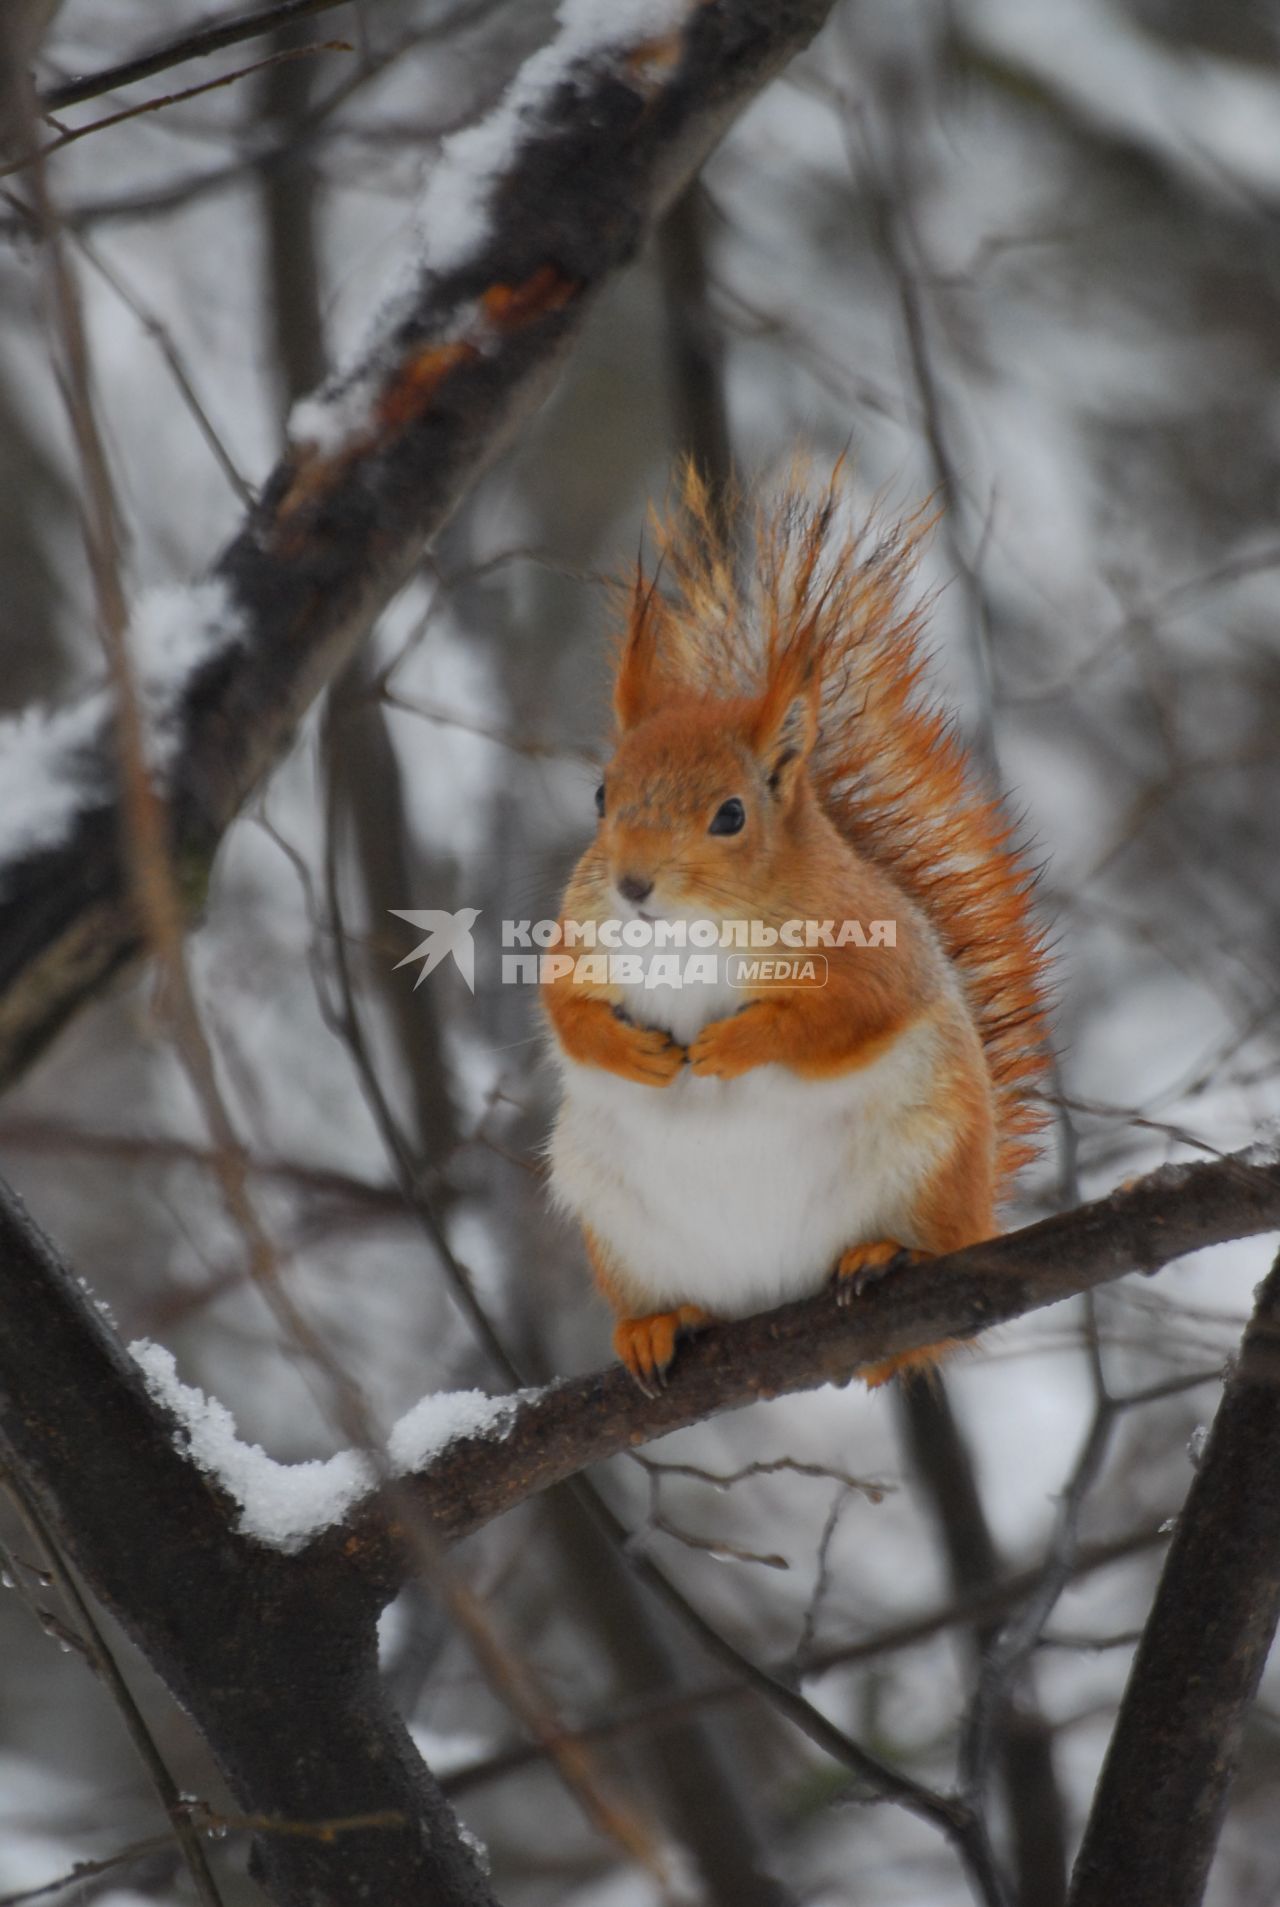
[581,1421]
[282,1682]
[275,1656]
[1163,1790]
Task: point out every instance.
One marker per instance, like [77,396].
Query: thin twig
[209,1821]
[104,1664]
[1023,1632]
[807,1639]
[89,1870]
[180,193]
[75,133]
[654,1713]
[160,335]
[210,38]
[951,1814]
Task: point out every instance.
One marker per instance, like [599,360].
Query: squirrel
[727,1147]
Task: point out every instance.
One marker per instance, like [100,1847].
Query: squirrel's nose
[634,887]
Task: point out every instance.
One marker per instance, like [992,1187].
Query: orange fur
[888,766]
[590,1029]
[798,689]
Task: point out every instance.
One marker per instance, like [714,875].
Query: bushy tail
[888,765]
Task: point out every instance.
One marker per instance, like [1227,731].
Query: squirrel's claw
[864,1265]
[647,1345]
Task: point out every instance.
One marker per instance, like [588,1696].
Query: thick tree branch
[459,363]
[275,1656]
[1163,1790]
[564,1429]
[284,1686]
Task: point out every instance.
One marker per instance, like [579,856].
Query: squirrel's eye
[729,817]
[600,799]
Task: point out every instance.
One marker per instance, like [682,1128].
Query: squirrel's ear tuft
[638,681]
[786,727]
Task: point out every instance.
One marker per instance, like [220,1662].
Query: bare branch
[285,1688]
[100,1658]
[207,39]
[141,1522]
[75,133]
[1163,1789]
[656,1712]
[583,1420]
[88,1870]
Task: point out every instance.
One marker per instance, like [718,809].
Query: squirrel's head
[701,798]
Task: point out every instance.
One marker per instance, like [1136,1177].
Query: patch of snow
[280,1504]
[49,763]
[1167,1177]
[174,629]
[285,1504]
[332,416]
[52,760]
[454,206]
[437,1419]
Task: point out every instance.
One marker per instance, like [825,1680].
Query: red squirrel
[728,1147]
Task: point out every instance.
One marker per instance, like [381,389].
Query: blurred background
[1019,256]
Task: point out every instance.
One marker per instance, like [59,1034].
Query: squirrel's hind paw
[864,1265]
[647,1345]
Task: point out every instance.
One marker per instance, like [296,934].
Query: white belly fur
[740,1194]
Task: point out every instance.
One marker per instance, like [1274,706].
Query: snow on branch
[284,1505]
[55,761]
[468,1458]
[457,214]
[275,1640]
[528,216]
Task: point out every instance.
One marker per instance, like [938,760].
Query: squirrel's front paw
[650,1056]
[726,1048]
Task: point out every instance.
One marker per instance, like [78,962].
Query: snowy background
[1022,257]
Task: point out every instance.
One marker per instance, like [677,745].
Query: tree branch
[207,39]
[284,1685]
[270,1651]
[1162,1794]
[457,365]
[583,1420]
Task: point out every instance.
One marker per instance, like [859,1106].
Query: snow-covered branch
[527,216]
[570,1425]
[152,1493]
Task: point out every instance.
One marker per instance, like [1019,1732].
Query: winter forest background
[1019,256]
